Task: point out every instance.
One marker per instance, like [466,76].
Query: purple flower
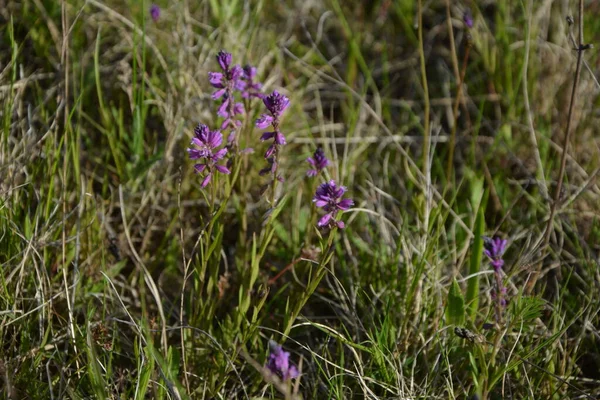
[278,362]
[494,249]
[224,59]
[318,162]
[155,12]
[206,143]
[276,103]
[468,19]
[251,88]
[329,197]
[226,83]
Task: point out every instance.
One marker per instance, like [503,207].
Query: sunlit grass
[123,278]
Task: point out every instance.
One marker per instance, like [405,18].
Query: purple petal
[199,168]
[279,138]
[224,60]
[270,151]
[240,85]
[265,171]
[218,94]
[222,111]
[311,173]
[267,136]
[222,169]
[324,219]
[320,203]
[231,137]
[215,79]
[238,108]
[215,138]
[200,131]
[155,12]
[206,181]
[264,121]
[345,204]
[311,161]
[341,225]
[236,73]
[194,154]
[219,154]
[226,122]
[249,72]
[292,372]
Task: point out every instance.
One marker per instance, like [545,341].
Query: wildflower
[318,162]
[276,104]
[207,142]
[468,19]
[494,249]
[226,83]
[329,197]
[251,87]
[155,12]
[279,362]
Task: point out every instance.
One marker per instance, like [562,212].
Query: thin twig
[563,160]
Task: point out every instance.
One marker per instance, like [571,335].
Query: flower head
[329,197]
[279,362]
[251,88]
[155,12]
[276,103]
[468,19]
[494,249]
[206,143]
[318,162]
[224,59]
[226,82]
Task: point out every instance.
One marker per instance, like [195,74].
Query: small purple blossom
[278,362]
[206,143]
[494,249]
[318,162]
[276,103]
[468,19]
[155,12]
[251,87]
[329,197]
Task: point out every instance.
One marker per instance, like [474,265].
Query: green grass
[122,278]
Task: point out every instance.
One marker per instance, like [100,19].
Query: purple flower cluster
[207,142]
[276,103]
[226,83]
[278,362]
[318,162]
[329,197]
[494,248]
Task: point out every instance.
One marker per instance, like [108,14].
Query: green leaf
[455,311]
[475,265]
